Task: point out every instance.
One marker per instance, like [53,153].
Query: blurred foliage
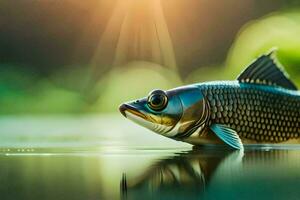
[280,30]
[133,81]
[209,73]
[21,92]
[68,90]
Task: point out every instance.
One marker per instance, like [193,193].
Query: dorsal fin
[264,70]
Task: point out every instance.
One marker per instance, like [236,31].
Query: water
[107,157]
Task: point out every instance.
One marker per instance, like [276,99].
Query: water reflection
[218,174]
[186,174]
[96,173]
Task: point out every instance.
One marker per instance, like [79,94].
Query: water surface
[107,157]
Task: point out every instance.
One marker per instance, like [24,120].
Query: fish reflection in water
[219,174]
[178,177]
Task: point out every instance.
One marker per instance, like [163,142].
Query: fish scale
[256,112]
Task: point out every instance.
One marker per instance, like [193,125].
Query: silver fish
[261,107]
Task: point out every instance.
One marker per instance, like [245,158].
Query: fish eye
[157,100]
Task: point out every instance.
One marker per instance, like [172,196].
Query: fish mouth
[128,108]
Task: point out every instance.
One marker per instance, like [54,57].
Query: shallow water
[107,157]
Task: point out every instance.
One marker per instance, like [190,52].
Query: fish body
[261,107]
[258,113]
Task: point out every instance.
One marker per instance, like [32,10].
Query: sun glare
[136,30]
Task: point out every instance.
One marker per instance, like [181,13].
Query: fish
[262,106]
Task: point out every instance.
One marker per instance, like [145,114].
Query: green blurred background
[66,65]
[74,56]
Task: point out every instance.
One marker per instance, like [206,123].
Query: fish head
[170,113]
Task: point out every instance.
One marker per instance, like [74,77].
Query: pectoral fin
[227,135]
